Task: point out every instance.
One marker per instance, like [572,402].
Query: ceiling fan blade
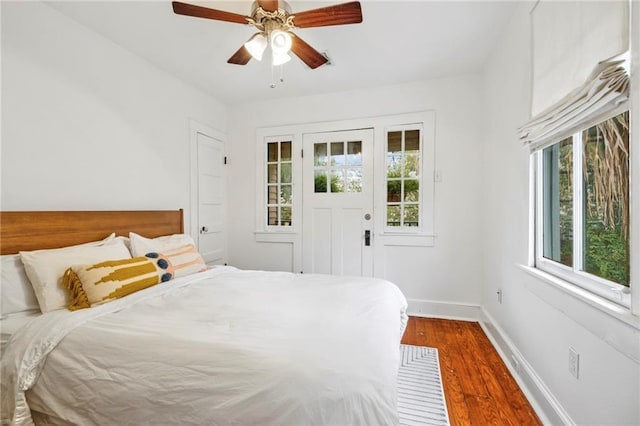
[205,12]
[340,14]
[268,5]
[306,53]
[241,57]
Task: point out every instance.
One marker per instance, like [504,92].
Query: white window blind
[569,39]
[580,65]
[604,90]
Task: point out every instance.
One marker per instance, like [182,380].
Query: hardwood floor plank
[478,386]
[520,407]
[455,396]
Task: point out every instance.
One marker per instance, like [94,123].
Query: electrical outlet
[499,293]
[574,362]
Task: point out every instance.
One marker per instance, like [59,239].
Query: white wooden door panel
[321,229]
[337,202]
[211,199]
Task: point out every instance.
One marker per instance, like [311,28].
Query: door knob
[204,230]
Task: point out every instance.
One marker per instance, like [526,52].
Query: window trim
[609,290]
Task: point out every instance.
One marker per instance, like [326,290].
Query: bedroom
[90,125]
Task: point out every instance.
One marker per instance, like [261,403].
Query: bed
[221,346]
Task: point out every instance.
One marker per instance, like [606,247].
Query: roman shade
[580,66]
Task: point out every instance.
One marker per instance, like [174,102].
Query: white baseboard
[542,400]
[446,310]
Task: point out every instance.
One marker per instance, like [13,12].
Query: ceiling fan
[274,21]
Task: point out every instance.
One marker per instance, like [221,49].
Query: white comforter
[221,347]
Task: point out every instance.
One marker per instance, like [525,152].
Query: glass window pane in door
[337,153]
[354,180]
[337,180]
[320,181]
[354,153]
[320,154]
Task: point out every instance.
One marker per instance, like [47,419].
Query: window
[340,164]
[403,162]
[279,183]
[583,208]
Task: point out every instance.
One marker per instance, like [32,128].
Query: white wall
[447,272]
[88,125]
[540,321]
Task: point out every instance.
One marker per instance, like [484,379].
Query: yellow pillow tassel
[71,282]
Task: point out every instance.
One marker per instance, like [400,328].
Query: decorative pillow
[15,288]
[46,267]
[90,285]
[180,261]
[141,245]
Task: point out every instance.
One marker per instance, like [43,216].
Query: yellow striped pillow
[95,284]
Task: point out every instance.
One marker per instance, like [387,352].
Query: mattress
[224,346]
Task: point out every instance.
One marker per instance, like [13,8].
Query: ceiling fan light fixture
[280,58]
[280,41]
[256,46]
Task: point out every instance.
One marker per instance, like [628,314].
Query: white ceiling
[398,41]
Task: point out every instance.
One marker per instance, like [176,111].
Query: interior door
[211,199]
[337,234]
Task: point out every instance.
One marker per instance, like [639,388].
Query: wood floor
[477,385]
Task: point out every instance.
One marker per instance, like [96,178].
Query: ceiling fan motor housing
[266,21]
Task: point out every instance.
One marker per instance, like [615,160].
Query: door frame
[422,238]
[196,128]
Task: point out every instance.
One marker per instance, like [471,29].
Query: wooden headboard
[32,230]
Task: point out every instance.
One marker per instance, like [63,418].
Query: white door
[211,199]
[338,203]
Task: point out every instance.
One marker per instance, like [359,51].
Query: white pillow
[45,268]
[15,287]
[140,245]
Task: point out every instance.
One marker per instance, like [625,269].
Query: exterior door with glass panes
[337,207]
